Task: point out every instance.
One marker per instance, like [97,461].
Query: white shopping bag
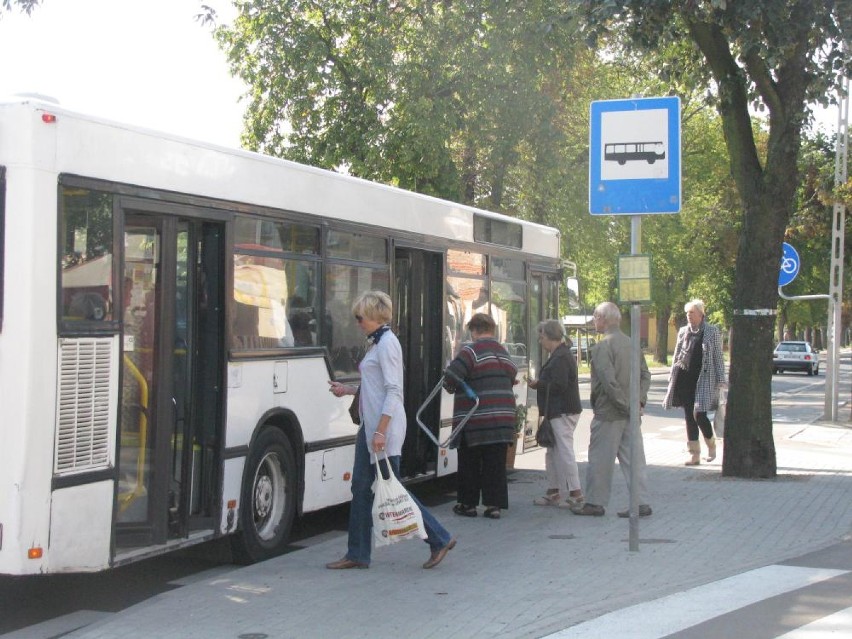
[395,515]
[719,417]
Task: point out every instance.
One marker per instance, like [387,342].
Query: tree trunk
[766,185]
[749,443]
[782,324]
[469,174]
[661,352]
[497,183]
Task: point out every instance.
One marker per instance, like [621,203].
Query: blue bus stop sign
[790,265]
[634,156]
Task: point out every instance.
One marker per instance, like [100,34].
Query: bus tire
[268,499]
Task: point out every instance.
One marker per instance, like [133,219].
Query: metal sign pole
[835,289]
[635,432]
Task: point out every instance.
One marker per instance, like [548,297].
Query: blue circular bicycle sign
[790,265]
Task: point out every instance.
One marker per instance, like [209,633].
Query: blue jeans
[361,508]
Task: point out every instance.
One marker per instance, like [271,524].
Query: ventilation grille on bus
[85,404]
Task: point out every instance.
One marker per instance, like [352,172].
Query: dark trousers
[482,471]
[696,420]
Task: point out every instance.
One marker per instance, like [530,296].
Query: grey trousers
[611,440]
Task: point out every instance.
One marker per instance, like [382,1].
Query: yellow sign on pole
[634,279]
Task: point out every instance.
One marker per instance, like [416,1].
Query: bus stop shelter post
[635,432]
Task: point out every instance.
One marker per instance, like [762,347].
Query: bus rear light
[347,476]
[35,552]
[48,118]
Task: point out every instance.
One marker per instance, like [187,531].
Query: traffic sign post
[634,169]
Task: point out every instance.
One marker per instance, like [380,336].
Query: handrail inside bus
[127,498]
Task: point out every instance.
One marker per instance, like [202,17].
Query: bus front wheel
[268,499]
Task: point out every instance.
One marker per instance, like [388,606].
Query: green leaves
[432,96]
[26,6]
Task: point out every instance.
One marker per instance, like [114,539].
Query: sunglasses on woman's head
[359,319]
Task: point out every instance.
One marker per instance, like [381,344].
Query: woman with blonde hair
[383,425]
[698,372]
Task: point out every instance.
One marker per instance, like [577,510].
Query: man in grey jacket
[610,430]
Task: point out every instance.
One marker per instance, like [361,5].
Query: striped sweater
[489,371]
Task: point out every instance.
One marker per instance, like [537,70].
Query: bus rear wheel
[268,501]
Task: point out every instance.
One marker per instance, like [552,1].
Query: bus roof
[94,147]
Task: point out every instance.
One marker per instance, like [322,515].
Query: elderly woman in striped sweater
[487,368]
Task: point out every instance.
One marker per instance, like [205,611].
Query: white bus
[171,313]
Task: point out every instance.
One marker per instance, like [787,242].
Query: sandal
[573,502]
[551,499]
[492,513]
[465,511]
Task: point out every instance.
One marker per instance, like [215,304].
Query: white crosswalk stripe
[829,627]
[664,616]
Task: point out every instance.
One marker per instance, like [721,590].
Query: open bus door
[172,367]
[418,315]
[543,305]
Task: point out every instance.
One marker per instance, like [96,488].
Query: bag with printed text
[395,514]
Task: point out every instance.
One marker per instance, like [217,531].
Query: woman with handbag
[383,425]
[698,373]
[558,400]
[489,371]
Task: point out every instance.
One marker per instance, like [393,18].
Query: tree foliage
[26,6]
[433,96]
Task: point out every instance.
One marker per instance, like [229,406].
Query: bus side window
[85,219]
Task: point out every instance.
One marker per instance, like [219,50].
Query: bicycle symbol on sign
[790,265]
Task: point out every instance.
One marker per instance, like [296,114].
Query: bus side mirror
[572,284]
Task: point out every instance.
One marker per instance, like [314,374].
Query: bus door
[543,305]
[419,318]
[172,367]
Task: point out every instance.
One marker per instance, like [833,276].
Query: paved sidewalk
[536,571]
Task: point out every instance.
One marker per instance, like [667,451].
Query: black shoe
[464,511]
[492,513]
[644,511]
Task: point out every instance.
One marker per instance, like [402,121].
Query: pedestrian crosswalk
[760,604]
[830,627]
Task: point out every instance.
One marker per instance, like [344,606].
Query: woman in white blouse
[383,426]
